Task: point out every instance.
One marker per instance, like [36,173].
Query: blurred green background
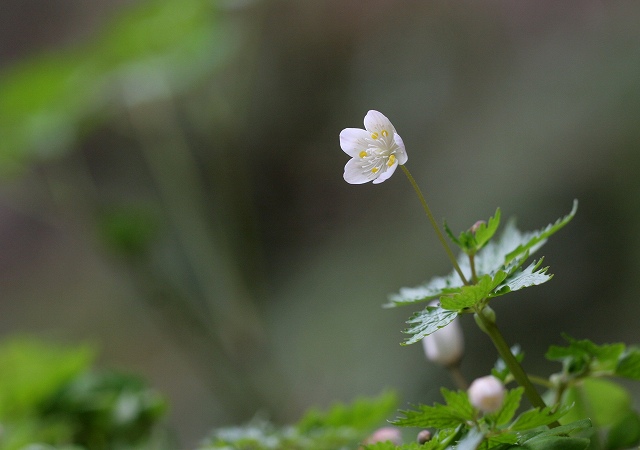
[172,186]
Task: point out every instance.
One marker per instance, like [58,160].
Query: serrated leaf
[509,406]
[538,417]
[428,321]
[459,400]
[531,276]
[629,364]
[537,238]
[436,416]
[435,288]
[473,294]
[457,411]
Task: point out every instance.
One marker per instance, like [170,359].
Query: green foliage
[472,240]
[498,268]
[427,321]
[341,427]
[50,399]
[583,357]
[155,48]
[457,420]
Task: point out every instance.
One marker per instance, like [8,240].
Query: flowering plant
[580,408]
[482,417]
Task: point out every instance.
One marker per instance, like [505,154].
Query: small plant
[581,407]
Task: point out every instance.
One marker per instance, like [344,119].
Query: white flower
[385,434]
[487,394]
[446,345]
[375,151]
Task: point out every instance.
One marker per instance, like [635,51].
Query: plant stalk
[489,327]
[427,210]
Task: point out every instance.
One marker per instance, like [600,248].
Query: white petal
[352,141]
[375,121]
[354,174]
[386,174]
[401,154]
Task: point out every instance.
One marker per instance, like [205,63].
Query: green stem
[489,326]
[443,241]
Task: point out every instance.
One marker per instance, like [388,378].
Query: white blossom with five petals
[375,151]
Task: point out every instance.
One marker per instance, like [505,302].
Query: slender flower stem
[458,378]
[443,241]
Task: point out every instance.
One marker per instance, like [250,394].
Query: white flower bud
[445,346]
[487,394]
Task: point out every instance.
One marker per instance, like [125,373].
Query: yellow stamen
[374,136]
[374,170]
[362,154]
[385,133]
[392,160]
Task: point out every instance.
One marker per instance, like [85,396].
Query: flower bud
[385,434]
[476,225]
[424,436]
[487,394]
[446,345]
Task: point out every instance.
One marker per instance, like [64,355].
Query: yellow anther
[385,133]
[374,170]
[362,154]
[374,136]
[392,160]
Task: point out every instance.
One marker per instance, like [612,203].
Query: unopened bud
[487,394]
[446,345]
[476,225]
[424,436]
[385,434]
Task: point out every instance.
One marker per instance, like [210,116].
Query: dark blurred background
[172,185]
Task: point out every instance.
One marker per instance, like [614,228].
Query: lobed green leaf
[629,364]
[428,321]
[469,296]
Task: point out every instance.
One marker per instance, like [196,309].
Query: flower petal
[401,154]
[354,174]
[386,174]
[375,121]
[352,141]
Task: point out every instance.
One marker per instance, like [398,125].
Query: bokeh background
[172,188]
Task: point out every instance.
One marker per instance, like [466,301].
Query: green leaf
[473,294]
[556,443]
[533,241]
[625,433]
[471,441]
[362,414]
[531,276]
[582,355]
[427,321]
[538,417]
[457,411]
[629,364]
[603,401]
[509,406]
[435,288]
[485,232]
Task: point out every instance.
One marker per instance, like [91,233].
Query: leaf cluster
[584,382]
[496,268]
[460,426]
